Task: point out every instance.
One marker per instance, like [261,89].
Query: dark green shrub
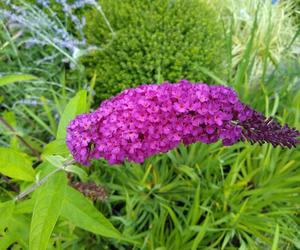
[154,40]
[297,12]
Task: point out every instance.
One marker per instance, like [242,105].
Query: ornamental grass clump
[151,119]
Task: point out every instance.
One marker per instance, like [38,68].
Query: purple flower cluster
[151,119]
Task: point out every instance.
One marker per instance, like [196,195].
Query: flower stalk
[42,181]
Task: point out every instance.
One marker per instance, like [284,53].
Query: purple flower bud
[257,128]
[152,119]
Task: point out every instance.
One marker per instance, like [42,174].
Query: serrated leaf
[81,212]
[77,105]
[13,78]
[46,210]
[15,164]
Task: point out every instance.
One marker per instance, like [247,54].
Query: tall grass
[275,27]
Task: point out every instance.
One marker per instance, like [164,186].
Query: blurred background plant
[44,39]
[274,32]
[199,197]
[153,41]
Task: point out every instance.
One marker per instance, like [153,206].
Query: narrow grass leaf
[38,120]
[276,238]
[51,118]
[90,94]
[242,69]
[13,78]
[201,233]
[212,75]
[76,105]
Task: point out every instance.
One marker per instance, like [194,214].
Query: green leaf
[76,105]
[79,171]
[6,241]
[17,232]
[276,238]
[55,160]
[56,147]
[16,165]
[25,207]
[80,211]
[9,79]
[201,233]
[38,120]
[46,211]
[212,75]
[6,209]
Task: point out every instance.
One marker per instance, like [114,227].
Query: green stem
[42,181]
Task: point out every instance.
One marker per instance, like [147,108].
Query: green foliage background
[152,41]
[197,197]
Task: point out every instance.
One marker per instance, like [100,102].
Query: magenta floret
[152,119]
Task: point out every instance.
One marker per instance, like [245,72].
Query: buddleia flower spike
[151,119]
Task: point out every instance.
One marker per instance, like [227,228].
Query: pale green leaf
[6,209]
[55,160]
[56,147]
[19,230]
[81,212]
[6,241]
[77,170]
[13,78]
[24,207]
[48,203]
[76,105]
[15,164]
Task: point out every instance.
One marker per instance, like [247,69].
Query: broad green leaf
[25,206]
[55,160]
[15,164]
[76,105]
[19,230]
[56,147]
[81,212]
[6,241]
[79,171]
[6,209]
[48,203]
[9,79]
